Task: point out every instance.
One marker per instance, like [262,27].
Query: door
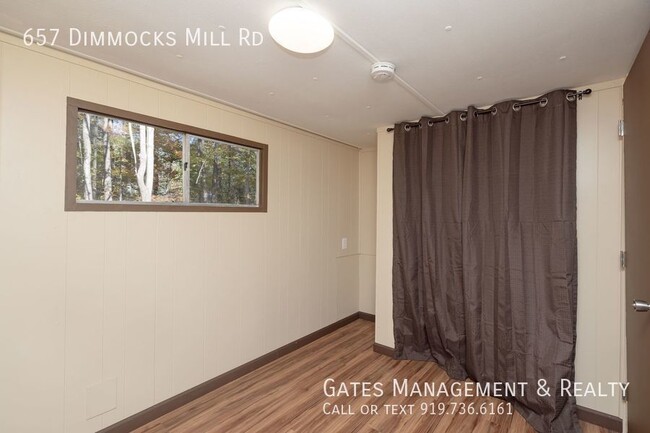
[637,237]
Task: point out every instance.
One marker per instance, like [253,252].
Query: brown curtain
[485,249]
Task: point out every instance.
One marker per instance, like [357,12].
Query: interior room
[324,216]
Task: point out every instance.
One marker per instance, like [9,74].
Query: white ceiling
[514,45]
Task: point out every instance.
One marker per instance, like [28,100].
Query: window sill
[158,207]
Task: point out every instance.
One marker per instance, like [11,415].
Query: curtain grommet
[516,107]
[543,102]
[407,127]
[463,117]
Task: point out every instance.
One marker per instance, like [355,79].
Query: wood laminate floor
[287,396]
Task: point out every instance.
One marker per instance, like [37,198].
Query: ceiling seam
[171,85]
[351,42]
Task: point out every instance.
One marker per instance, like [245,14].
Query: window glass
[118,160]
[122,161]
[222,173]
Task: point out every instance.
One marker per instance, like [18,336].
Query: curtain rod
[573,96]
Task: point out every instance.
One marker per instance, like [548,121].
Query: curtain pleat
[485,249]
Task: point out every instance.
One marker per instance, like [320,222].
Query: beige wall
[384,247]
[600,354]
[367,228]
[132,308]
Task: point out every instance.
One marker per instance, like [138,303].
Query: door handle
[640,306]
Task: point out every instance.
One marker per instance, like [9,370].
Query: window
[123,161]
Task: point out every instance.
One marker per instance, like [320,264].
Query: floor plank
[287,396]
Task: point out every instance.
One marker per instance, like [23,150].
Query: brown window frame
[71,203]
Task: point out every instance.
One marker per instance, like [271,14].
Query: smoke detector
[382,71]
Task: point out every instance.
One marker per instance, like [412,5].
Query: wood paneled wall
[137,307]
[367,228]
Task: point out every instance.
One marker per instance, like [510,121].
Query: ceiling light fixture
[301,30]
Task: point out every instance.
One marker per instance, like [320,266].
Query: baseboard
[601,419]
[156,411]
[383,350]
[366,316]
[141,418]
[585,414]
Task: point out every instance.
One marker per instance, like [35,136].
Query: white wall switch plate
[344,243]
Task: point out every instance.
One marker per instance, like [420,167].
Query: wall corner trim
[383,350]
[366,316]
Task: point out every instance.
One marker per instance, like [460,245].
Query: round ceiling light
[301,30]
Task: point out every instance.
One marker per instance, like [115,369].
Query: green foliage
[222,172]
[219,172]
